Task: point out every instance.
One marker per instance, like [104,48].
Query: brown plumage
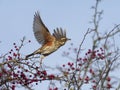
[50,43]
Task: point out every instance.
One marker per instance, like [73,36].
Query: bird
[49,42]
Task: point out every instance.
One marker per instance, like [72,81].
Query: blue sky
[16,19]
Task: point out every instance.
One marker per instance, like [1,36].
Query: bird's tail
[28,56]
[35,52]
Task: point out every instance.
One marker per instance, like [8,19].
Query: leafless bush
[90,69]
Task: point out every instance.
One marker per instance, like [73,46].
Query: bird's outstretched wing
[59,34]
[41,32]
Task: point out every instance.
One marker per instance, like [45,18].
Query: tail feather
[28,56]
[35,52]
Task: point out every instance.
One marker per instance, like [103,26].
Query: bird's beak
[68,39]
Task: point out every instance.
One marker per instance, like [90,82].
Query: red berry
[109,85]
[14,43]
[108,79]
[29,41]
[63,65]
[14,54]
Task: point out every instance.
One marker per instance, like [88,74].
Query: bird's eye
[62,43]
[63,39]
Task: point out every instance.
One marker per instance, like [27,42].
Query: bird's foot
[42,57]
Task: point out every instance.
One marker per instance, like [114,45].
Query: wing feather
[41,32]
[59,33]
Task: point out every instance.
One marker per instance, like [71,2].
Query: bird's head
[60,36]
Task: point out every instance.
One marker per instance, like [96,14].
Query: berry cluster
[86,70]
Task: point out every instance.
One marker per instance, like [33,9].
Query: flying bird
[49,42]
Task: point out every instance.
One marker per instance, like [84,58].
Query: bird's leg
[42,57]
